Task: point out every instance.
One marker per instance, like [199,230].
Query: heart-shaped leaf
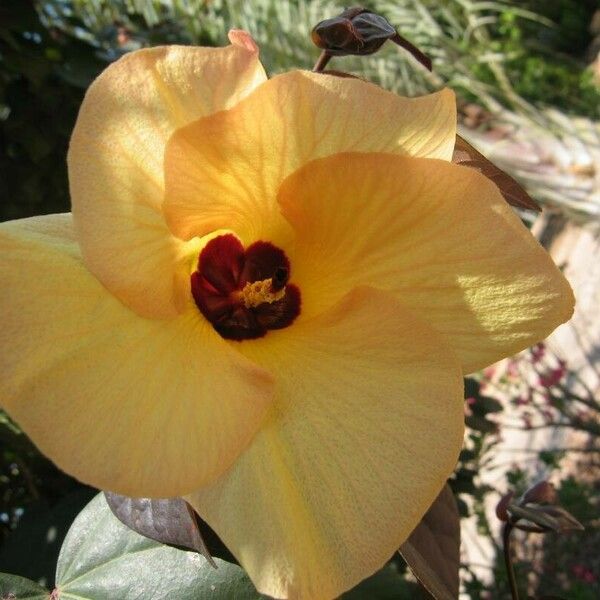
[13,587]
[433,549]
[513,192]
[103,558]
[169,521]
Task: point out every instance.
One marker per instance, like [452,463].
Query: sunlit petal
[142,407]
[224,170]
[437,235]
[367,427]
[116,162]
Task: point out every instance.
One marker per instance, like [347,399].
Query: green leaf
[472,388]
[481,424]
[13,587]
[433,549]
[484,405]
[32,549]
[102,559]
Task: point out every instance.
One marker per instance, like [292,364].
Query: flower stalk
[536,511]
[510,571]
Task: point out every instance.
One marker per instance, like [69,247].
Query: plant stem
[508,562]
[412,49]
[322,61]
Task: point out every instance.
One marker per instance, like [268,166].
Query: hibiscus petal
[224,170]
[142,407]
[367,427]
[116,162]
[437,235]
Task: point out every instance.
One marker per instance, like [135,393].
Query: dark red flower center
[244,293]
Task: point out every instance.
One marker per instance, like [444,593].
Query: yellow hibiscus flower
[265,299]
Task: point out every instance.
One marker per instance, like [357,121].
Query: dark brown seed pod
[360,32]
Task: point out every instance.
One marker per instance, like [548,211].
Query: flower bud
[541,493]
[502,506]
[361,32]
[355,31]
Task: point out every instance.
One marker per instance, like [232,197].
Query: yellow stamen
[260,292]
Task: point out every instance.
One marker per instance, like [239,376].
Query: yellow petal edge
[142,407]
[439,236]
[367,426]
[116,167]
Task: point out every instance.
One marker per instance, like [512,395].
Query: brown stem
[420,56]
[514,592]
[574,450]
[545,426]
[590,403]
[322,61]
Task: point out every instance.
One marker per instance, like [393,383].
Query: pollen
[260,292]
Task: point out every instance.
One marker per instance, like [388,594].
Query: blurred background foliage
[523,56]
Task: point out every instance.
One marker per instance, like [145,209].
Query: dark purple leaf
[513,192]
[170,521]
[433,549]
